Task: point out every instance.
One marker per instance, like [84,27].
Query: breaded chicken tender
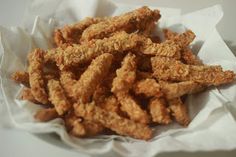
[76,55]
[36,79]
[186,53]
[130,106]
[71,33]
[126,75]
[45,115]
[97,70]
[58,97]
[67,80]
[113,121]
[148,87]
[173,70]
[121,85]
[159,111]
[21,77]
[174,90]
[179,111]
[138,19]
[80,127]
[26,94]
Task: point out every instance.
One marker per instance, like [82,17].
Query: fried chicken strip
[93,76]
[21,77]
[120,87]
[67,80]
[186,54]
[81,54]
[159,111]
[26,94]
[58,97]
[45,115]
[113,121]
[174,90]
[148,87]
[170,69]
[138,19]
[79,127]
[130,106]
[71,33]
[169,48]
[179,111]
[36,79]
[126,75]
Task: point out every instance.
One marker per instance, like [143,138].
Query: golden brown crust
[148,87]
[126,75]
[21,77]
[179,111]
[113,121]
[71,33]
[174,90]
[45,115]
[36,79]
[26,94]
[80,127]
[58,97]
[97,70]
[187,55]
[67,80]
[138,19]
[173,70]
[159,111]
[130,106]
[80,54]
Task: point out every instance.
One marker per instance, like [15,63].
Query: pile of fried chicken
[112,75]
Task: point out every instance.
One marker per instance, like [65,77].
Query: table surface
[15,143]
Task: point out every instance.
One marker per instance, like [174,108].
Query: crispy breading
[138,19]
[26,94]
[100,93]
[45,115]
[71,33]
[189,58]
[184,39]
[148,87]
[174,90]
[169,48]
[130,106]
[80,54]
[125,75]
[36,79]
[93,76]
[121,85]
[173,70]
[113,121]
[67,80]
[110,104]
[159,111]
[168,34]
[80,127]
[21,77]
[58,97]
[179,111]
[186,53]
